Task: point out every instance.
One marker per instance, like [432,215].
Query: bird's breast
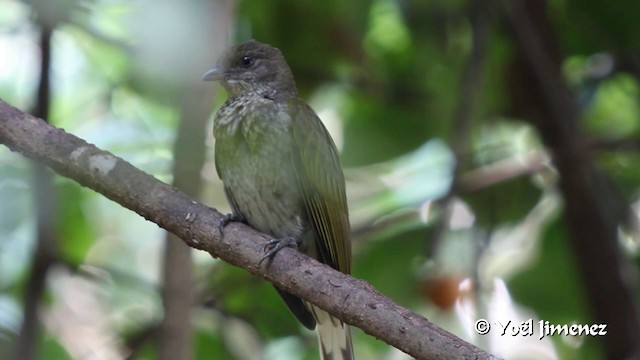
[253,157]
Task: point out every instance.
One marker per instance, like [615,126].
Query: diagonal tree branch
[351,300]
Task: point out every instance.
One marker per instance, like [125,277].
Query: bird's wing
[317,166]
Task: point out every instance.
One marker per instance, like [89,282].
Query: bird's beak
[214,74]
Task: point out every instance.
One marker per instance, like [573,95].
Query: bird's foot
[275,245]
[227,219]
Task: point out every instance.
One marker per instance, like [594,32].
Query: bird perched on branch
[282,174]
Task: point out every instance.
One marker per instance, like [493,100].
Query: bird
[282,175]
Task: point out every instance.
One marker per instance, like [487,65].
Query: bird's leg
[229,218]
[275,245]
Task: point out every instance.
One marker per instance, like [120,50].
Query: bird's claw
[273,246]
[227,219]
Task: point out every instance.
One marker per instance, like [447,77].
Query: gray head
[253,66]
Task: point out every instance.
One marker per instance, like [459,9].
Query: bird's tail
[334,336]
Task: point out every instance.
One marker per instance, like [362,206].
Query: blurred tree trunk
[44,202]
[189,156]
[591,208]
[178,292]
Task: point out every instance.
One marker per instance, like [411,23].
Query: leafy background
[388,79]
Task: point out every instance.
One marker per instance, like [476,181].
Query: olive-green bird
[282,174]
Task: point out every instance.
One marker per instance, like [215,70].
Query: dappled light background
[453,195]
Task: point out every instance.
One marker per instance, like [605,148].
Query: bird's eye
[246,60]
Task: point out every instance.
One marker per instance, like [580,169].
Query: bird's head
[252,66]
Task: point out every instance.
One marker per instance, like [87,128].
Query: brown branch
[502,171]
[350,299]
[631,143]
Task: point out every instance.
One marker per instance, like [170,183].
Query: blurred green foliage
[386,77]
